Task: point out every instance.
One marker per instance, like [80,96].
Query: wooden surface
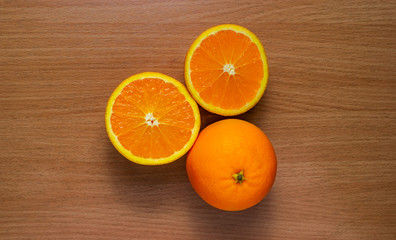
[329,109]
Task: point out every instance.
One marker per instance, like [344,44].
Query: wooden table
[329,109]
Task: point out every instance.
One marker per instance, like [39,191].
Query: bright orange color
[151,119]
[226,70]
[221,151]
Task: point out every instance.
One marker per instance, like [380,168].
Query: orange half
[226,70]
[151,119]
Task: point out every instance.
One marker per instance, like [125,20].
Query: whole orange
[232,165]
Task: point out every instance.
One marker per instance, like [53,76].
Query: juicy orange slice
[151,119]
[226,70]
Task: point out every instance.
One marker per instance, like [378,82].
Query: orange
[226,70]
[151,119]
[232,165]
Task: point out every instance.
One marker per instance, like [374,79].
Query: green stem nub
[238,177]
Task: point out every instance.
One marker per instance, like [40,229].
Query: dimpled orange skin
[224,149]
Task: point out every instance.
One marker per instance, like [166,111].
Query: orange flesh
[140,134]
[224,89]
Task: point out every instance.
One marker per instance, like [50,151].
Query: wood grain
[329,109]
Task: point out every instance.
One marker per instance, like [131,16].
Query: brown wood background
[329,110]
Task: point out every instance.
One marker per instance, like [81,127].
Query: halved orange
[226,70]
[151,119]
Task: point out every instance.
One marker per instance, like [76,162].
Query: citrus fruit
[226,70]
[151,119]
[232,165]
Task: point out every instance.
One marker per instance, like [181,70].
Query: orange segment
[210,93]
[226,70]
[151,119]
[205,78]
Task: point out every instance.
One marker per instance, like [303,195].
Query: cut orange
[226,70]
[151,119]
